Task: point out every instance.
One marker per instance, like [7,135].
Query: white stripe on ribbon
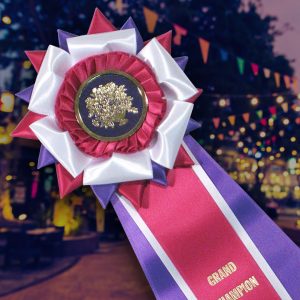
[157,247]
[238,228]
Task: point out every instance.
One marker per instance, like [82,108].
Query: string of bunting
[260,114]
[152,17]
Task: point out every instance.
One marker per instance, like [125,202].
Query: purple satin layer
[280,252]
[159,174]
[104,192]
[45,158]
[62,39]
[182,61]
[129,24]
[160,280]
[25,94]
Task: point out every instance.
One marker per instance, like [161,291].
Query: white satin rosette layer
[119,167]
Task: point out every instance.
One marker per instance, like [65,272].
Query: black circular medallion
[110,105]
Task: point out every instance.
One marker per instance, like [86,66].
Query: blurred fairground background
[243,54]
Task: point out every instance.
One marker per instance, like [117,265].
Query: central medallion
[110,105]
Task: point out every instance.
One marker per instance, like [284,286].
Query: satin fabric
[110,61]
[49,80]
[119,168]
[174,83]
[61,146]
[83,46]
[170,132]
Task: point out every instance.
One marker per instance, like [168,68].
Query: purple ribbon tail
[159,174]
[45,158]
[129,24]
[182,61]
[62,39]
[282,255]
[192,125]
[160,280]
[104,192]
[25,94]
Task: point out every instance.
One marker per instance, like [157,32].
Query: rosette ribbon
[113,112]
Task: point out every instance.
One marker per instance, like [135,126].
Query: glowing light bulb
[6,20]
[262,134]
[286,121]
[222,102]
[293,139]
[281,149]
[254,101]
[240,144]
[219,152]
[279,99]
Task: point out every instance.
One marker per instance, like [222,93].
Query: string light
[254,101]
[222,102]
[242,129]
[258,143]
[285,121]
[293,139]
[262,134]
[212,136]
[219,152]
[26,64]
[261,163]
[6,20]
[8,178]
[279,99]
[281,132]
[268,149]
[271,157]
[294,152]
[281,149]
[240,144]
[245,150]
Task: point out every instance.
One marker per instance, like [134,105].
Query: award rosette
[113,112]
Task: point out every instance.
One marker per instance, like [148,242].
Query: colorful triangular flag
[241,64]
[204,46]
[259,113]
[267,72]
[224,55]
[231,120]
[180,32]
[255,68]
[246,117]
[277,79]
[151,18]
[216,122]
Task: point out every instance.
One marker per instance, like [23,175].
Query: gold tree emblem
[108,104]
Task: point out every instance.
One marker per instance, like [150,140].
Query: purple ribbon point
[182,61]
[104,192]
[45,158]
[159,174]
[62,39]
[25,94]
[192,125]
[129,24]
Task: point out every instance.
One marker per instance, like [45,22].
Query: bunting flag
[204,46]
[255,68]
[285,107]
[295,85]
[231,120]
[224,55]
[263,122]
[246,117]
[216,122]
[277,79]
[151,18]
[221,136]
[267,73]
[272,110]
[259,113]
[287,81]
[253,126]
[180,32]
[241,64]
